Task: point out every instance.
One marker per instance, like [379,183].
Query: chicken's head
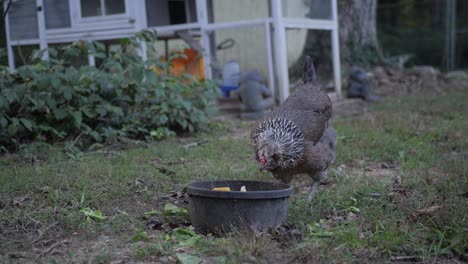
[269,156]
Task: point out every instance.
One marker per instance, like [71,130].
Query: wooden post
[91,60]
[42,29]
[202,14]
[141,24]
[11,55]
[281,60]
[336,50]
[269,56]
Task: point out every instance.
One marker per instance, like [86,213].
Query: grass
[397,189]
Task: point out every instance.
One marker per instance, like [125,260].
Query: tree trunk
[358,39]
[358,29]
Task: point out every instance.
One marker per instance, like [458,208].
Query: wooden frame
[134,20]
[280,22]
[9,46]
[42,29]
[77,19]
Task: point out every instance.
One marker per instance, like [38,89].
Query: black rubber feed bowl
[265,204]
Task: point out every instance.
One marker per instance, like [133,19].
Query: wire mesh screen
[313,43]
[57,14]
[433,32]
[316,9]
[229,11]
[247,46]
[23,20]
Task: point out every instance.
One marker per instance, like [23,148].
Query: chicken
[314,162]
[295,138]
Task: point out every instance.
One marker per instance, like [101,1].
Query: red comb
[262,161]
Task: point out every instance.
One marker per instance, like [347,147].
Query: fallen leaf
[93,214]
[398,179]
[172,209]
[140,235]
[152,212]
[429,211]
[18,202]
[154,224]
[384,165]
[188,259]
[351,216]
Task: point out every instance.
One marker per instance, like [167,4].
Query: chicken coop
[267,35]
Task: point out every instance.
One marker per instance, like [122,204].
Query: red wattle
[262,161]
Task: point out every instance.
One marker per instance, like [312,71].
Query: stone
[424,71]
[457,75]
[255,96]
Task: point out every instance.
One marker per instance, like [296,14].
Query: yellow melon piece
[222,189]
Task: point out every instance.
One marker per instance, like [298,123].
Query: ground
[397,192]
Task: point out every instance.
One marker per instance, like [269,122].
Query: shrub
[55,100]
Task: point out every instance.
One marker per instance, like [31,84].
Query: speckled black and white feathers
[294,137]
[284,133]
[305,112]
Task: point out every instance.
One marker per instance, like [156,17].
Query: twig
[34,220]
[2,21]
[10,242]
[39,237]
[165,170]
[57,252]
[9,231]
[7,9]
[76,140]
[17,255]
[41,233]
[405,258]
[374,195]
[193,144]
[104,152]
[49,249]
[21,55]
[157,161]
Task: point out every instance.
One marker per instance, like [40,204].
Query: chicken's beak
[262,163]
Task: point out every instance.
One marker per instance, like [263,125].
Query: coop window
[92,8]
[177,12]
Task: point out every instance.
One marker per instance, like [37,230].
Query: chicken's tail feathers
[309,70]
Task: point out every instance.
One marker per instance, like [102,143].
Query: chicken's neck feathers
[285,134]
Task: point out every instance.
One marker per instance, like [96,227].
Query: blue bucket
[226,90]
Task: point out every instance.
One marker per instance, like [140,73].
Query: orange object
[192,64]
[222,189]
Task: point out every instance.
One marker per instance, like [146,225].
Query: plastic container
[265,204]
[231,74]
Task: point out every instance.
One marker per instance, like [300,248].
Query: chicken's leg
[313,189]
[316,179]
